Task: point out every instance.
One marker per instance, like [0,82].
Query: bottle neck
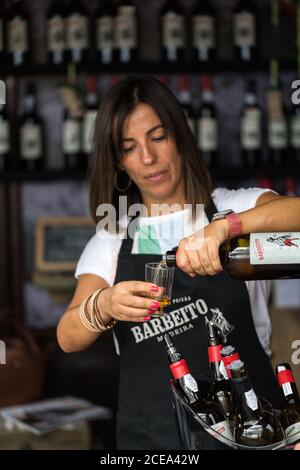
[250,99]
[29,104]
[248,401]
[288,386]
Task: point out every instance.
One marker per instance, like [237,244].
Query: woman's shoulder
[239,200]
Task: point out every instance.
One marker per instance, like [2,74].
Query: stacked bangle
[90,315]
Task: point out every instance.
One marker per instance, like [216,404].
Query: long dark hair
[115,107]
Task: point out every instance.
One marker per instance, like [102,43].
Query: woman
[144,150]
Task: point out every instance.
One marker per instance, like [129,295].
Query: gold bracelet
[91,317]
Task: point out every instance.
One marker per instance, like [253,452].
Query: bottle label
[126,28]
[224,429]
[31,142]
[244,30]
[251,130]
[295,132]
[275,248]
[17,35]
[173,31]
[1,35]
[292,433]
[214,353]
[223,370]
[190,383]
[208,134]
[4,136]
[226,361]
[88,130]
[105,32]
[179,369]
[71,137]
[56,34]
[77,31]
[251,399]
[203,32]
[277,134]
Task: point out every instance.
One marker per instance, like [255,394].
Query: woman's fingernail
[147,318]
[154,288]
[154,305]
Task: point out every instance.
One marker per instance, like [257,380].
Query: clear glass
[163,277]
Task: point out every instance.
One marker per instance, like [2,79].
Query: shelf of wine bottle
[150,67]
[229,173]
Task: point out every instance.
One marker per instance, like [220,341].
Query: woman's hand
[199,253]
[129,301]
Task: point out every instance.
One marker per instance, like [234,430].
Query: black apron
[145,417]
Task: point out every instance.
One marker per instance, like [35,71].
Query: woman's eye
[128,150]
[159,138]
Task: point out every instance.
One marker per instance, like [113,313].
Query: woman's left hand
[199,253]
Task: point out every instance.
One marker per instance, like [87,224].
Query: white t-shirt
[157,234]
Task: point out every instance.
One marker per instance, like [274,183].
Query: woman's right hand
[129,301]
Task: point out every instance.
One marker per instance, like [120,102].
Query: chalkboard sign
[60,241]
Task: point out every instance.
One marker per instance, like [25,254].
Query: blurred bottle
[290,416]
[18,33]
[245,20]
[255,427]
[89,116]
[294,130]
[173,32]
[277,128]
[4,140]
[207,124]
[127,32]
[77,32]
[204,31]
[31,133]
[185,99]
[56,45]
[250,130]
[105,31]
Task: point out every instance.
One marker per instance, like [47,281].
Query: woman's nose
[147,155]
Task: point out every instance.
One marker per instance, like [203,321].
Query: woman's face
[151,159]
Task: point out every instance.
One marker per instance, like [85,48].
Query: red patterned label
[228,360]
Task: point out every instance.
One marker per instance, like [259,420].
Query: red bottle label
[179,369]
[285,376]
[228,360]
[214,353]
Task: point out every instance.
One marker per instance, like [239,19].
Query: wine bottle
[4,140]
[294,130]
[245,30]
[207,124]
[206,410]
[18,33]
[251,128]
[126,32]
[184,98]
[277,128]
[77,32]
[2,35]
[105,32]
[257,256]
[290,416]
[56,33]
[204,31]
[89,117]
[255,427]
[228,355]
[31,133]
[173,33]
[220,391]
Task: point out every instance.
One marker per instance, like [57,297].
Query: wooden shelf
[156,68]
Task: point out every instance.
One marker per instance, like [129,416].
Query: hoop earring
[121,190]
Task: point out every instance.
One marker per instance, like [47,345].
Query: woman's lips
[157,176]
